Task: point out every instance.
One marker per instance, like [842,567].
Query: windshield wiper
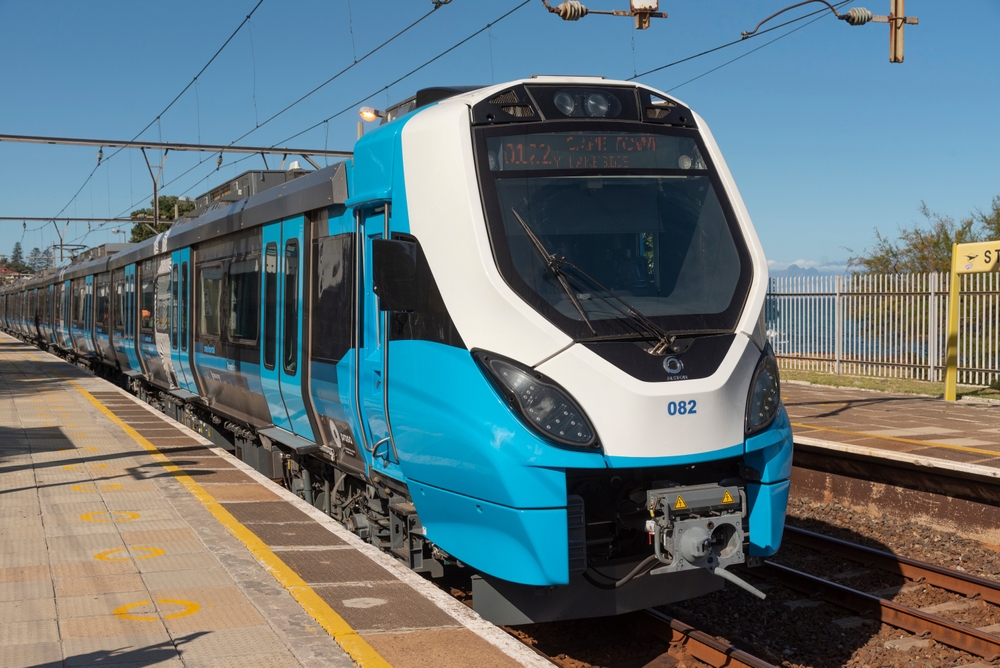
[664,341]
[553,263]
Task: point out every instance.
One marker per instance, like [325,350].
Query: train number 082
[689,407]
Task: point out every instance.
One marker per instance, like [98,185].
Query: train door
[372,337]
[180,335]
[282,287]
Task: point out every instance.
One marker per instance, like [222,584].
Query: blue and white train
[521,332]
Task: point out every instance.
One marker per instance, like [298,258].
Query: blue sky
[826,139]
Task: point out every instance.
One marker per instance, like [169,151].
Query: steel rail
[937,576]
[903,617]
[702,646]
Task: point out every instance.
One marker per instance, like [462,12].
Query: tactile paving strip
[272,512]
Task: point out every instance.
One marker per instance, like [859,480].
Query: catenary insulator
[857,16]
[570,10]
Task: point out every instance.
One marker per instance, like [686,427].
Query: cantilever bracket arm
[156,188]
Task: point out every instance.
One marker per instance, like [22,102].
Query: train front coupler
[699,526]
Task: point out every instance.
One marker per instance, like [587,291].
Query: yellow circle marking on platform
[97,466]
[356,646]
[106,487]
[72,467]
[122,516]
[106,555]
[190,607]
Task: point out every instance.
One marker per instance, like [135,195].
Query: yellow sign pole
[951,365]
[974,258]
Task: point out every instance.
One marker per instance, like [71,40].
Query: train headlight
[765,393]
[565,103]
[545,406]
[597,105]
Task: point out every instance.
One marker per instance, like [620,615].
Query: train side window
[103,304]
[244,300]
[78,296]
[119,306]
[184,305]
[291,338]
[146,301]
[173,307]
[162,303]
[210,279]
[270,303]
[333,305]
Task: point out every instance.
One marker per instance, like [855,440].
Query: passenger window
[211,291]
[184,306]
[244,300]
[333,305]
[78,304]
[119,301]
[163,303]
[146,302]
[291,347]
[173,307]
[103,305]
[270,303]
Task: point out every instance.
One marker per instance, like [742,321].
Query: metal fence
[889,325]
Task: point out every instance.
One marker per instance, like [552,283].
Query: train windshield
[638,216]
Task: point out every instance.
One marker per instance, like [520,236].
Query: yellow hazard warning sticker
[727,497]
[679,504]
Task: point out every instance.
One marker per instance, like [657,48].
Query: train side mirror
[400,275]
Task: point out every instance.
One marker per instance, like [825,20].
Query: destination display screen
[592,150]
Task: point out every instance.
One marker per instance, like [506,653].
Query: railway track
[706,648]
[916,621]
[683,640]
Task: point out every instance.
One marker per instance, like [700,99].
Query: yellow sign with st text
[977,258]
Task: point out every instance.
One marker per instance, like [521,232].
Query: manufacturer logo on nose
[673,365]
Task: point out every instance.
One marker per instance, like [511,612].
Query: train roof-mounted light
[597,105]
[370,114]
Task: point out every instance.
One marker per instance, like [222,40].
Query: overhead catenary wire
[408,74]
[487,27]
[171,104]
[355,104]
[357,61]
[735,42]
[744,55]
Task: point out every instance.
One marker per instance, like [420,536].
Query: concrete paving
[128,540]
[963,432]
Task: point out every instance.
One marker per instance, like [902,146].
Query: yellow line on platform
[352,643]
[928,444]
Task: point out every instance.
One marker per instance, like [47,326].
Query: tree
[36,260]
[17,259]
[168,203]
[989,222]
[926,248]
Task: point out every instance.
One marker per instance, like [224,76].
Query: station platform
[965,433]
[128,540]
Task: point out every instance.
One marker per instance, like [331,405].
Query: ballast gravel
[791,630]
